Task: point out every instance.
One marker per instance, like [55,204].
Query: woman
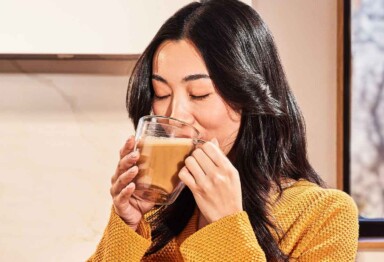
[251,193]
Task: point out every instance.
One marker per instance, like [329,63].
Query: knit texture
[318,224]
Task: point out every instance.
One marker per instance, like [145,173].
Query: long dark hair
[244,65]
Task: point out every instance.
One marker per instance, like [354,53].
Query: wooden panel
[67,66]
[376,244]
[340,93]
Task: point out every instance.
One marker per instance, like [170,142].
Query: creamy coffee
[160,161]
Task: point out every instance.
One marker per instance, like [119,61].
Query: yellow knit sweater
[319,225]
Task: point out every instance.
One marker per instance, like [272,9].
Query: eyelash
[198,98]
[161,97]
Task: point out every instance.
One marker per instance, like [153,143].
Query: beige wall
[60,138]
[305,33]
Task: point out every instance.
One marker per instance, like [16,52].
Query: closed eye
[199,97]
[161,97]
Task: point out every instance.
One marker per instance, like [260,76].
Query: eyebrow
[185,79]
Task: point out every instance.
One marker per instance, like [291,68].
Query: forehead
[179,58]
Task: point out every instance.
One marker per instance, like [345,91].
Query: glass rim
[143,118]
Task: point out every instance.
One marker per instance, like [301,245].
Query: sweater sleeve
[121,243]
[228,239]
[334,234]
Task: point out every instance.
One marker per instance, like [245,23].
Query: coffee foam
[171,141]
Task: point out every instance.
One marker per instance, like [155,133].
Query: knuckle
[124,165]
[119,181]
[218,179]
[204,189]
[200,190]
[111,191]
[119,166]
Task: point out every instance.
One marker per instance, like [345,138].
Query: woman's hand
[214,182]
[128,208]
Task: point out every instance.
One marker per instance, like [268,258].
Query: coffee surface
[161,160]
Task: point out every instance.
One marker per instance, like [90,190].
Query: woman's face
[184,90]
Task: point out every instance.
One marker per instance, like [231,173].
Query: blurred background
[367,107]
[64,69]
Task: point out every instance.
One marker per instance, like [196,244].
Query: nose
[180,110]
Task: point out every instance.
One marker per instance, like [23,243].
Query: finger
[204,161]
[215,154]
[123,180]
[124,164]
[215,141]
[124,196]
[195,170]
[128,147]
[187,178]
[129,160]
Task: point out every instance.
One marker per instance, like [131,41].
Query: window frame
[369,228]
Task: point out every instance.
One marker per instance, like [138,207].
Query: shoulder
[310,196]
[309,211]
[329,195]
[319,222]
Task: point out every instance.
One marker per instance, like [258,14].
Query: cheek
[159,108]
[217,119]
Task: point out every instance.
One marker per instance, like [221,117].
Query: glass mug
[164,143]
